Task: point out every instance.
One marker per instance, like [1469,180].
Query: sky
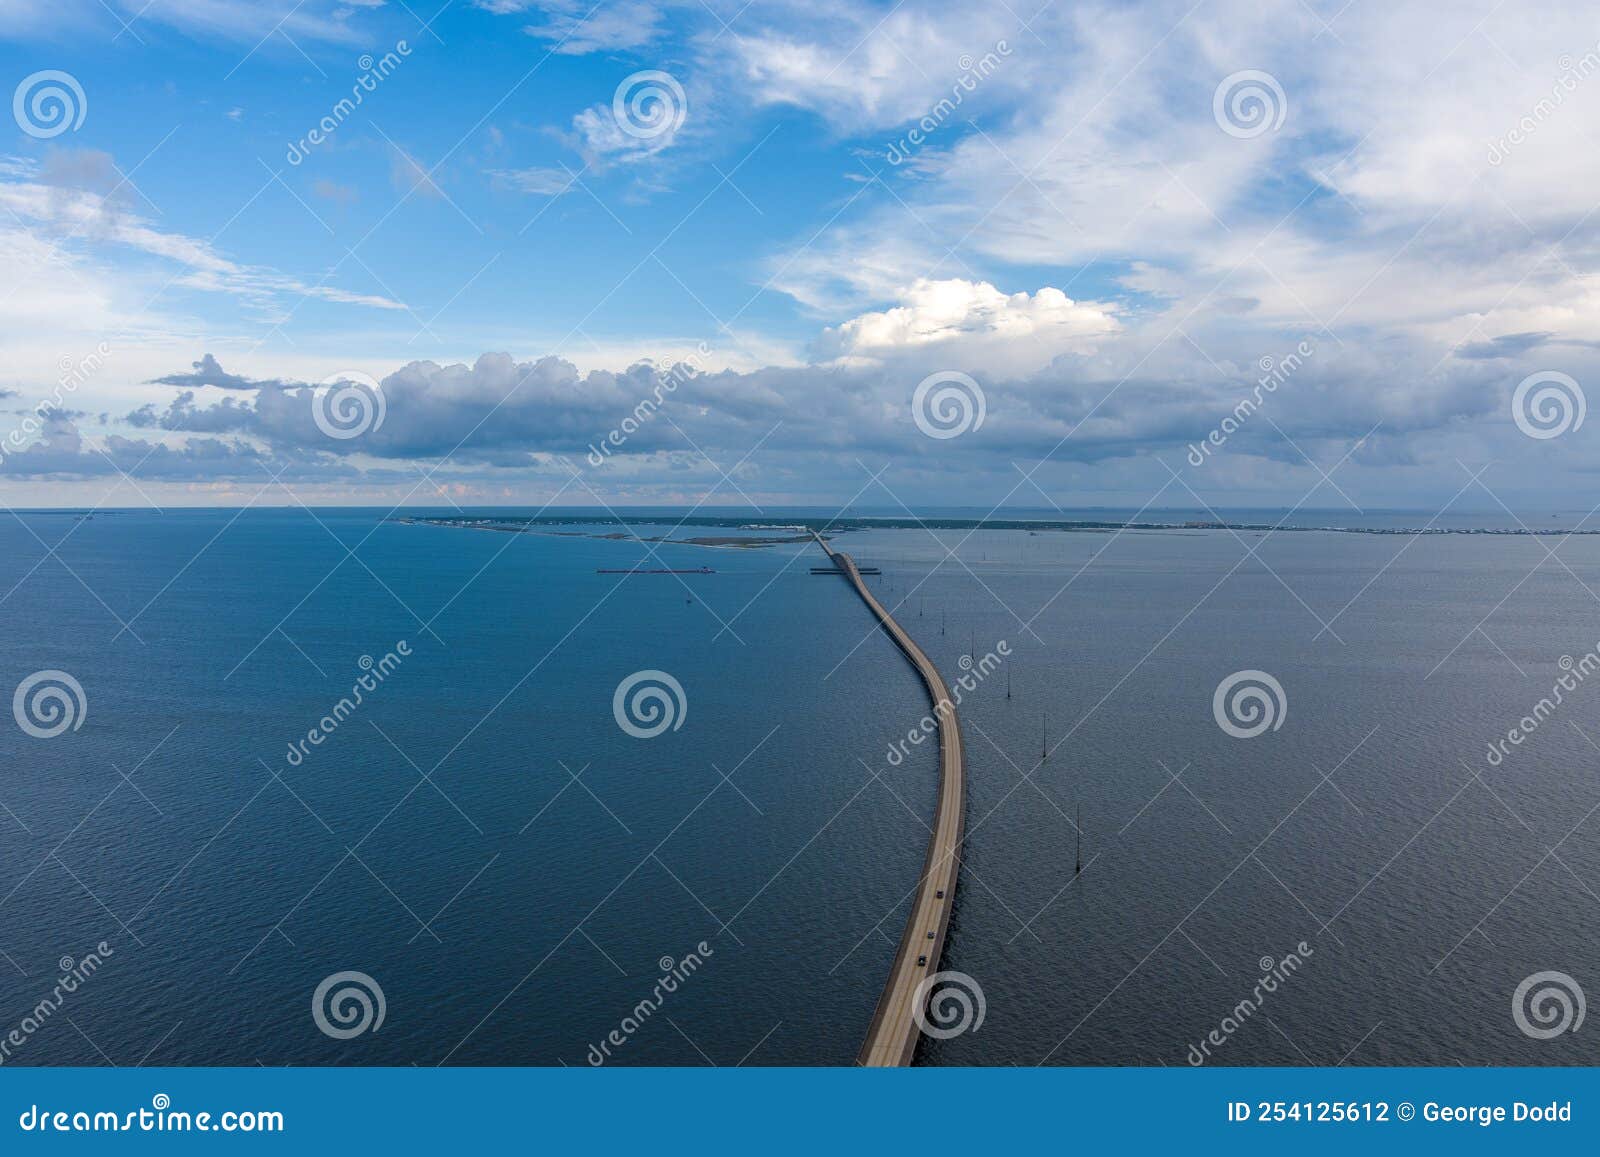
[1326,254]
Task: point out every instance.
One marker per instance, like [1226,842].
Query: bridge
[892,1035]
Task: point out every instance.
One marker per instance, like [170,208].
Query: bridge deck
[892,1036]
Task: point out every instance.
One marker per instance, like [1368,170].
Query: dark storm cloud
[230,415]
[208,372]
[64,452]
[499,413]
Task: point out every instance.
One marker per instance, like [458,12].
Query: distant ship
[657,570]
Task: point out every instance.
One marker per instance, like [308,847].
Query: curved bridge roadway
[892,1036]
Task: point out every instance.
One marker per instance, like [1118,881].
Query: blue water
[512,914]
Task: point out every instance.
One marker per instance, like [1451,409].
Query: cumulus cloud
[227,415]
[1096,141]
[63,452]
[1398,413]
[1080,235]
[1008,332]
[497,410]
[1124,399]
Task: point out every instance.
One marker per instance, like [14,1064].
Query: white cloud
[57,222]
[578,27]
[254,25]
[1374,207]
[864,69]
[1373,220]
[975,323]
[536,182]
[645,117]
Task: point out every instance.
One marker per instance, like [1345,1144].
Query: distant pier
[892,1035]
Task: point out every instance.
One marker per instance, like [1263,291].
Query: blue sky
[1105,226]
[469,249]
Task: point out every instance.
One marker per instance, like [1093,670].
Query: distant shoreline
[800,529]
[524,526]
